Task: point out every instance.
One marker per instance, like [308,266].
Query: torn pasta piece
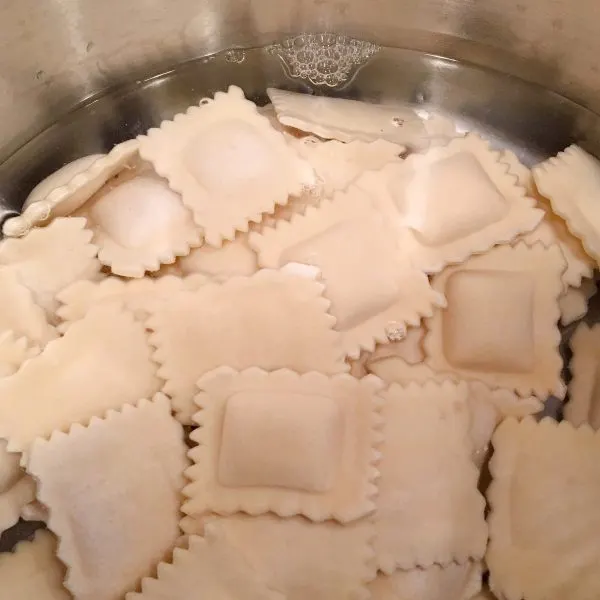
[301,559]
[20,314]
[115,517]
[48,259]
[573,303]
[231,259]
[196,332]
[135,295]
[428,509]
[139,224]
[318,461]
[210,568]
[552,229]
[452,582]
[33,571]
[66,190]
[451,202]
[349,120]
[228,133]
[571,181]
[584,389]
[372,287]
[337,164]
[544,541]
[500,326]
[65,385]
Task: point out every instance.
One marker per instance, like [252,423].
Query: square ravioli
[139,223]
[571,181]
[209,568]
[272,320]
[451,202]
[584,388]
[500,326]
[285,443]
[301,559]
[63,385]
[226,132]
[116,517]
[428,509]
[544,528]
[372,287]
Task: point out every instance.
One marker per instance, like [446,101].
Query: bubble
[235,56]
[395,332]
[323,59]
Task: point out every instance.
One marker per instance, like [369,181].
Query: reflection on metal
[235,56]
[323,59]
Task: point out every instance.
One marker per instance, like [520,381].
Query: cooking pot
[57,53]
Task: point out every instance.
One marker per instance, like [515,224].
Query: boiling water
[532,121]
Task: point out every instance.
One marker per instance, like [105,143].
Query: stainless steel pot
[55,53]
